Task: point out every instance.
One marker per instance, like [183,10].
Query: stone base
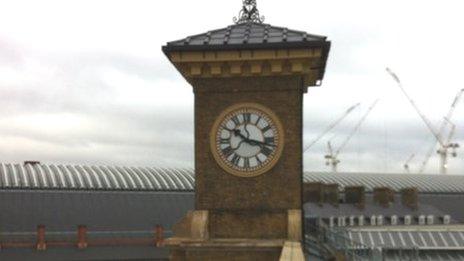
[185,249]
[192,242]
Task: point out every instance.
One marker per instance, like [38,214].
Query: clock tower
[248,79]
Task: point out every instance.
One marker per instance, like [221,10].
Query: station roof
[78,177]
[424,183]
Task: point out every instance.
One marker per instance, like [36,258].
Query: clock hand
[238,146]
[260,143]
[237,132]
[248,134]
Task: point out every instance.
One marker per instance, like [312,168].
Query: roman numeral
[247,117]
[258,160]
[266,151]
[226,128]
[227,151]
[235,159]
[225,141]
[246,163]
[257,120]
[268,127]
[269,140]
[236,120]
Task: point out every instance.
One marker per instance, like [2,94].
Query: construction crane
[444,148]
[331,126]
[444,151]
[446,120]
[406,164]
[332,157]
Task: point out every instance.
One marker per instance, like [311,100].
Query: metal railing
[325,242]
[82,238]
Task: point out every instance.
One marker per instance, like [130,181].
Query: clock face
[247,140]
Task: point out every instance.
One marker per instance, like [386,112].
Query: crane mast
[426,121]
[444,151]
[332,158]
[442,129]
[444,145]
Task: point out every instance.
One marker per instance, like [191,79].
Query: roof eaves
[281,45]
[326,45]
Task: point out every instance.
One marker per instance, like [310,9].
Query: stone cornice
[307,62]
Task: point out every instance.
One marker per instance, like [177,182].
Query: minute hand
[250,141]
[260,143]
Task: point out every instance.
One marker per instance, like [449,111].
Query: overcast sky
[85,82]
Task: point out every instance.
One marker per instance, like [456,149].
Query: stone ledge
[224,242]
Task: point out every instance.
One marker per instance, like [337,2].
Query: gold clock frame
[278,151]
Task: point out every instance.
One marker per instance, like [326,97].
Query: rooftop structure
[126,204]
[80,177]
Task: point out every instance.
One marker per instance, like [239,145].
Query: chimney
[352,221]
[446,219]
[384,196]
[409,198]
[421,220]
[82,237]
[407,220]
[31,162]
[393,220]
[331,194]
[380,220]
[41,245]
[331,221]
[313,192]
[356,195]
[430,220]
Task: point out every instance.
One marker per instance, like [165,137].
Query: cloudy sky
[85,82]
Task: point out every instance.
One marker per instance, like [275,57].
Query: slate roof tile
[247,35]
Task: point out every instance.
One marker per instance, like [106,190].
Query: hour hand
[237,132]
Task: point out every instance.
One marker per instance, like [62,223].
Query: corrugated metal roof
[424,183]
[67,177]
[78,177]
[419,237]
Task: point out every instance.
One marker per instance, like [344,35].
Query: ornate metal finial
[249,13]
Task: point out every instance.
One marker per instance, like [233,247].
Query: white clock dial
[247,140]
